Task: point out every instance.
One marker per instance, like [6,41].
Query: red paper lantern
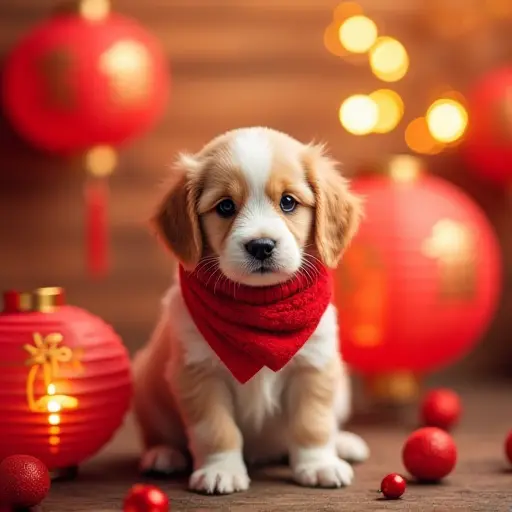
[488,142]
[86,81]
[65,383]
[419,284]
[75,82]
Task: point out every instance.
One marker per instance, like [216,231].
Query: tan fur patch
[223,180]
[311,401]
[287,178]
[176,219]
[206,404]
[338,211]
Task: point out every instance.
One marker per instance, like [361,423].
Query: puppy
[254,208]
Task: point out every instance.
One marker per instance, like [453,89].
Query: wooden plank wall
[233,63]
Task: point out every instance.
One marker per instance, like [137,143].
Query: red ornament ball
[146,498]
[24,481]
[508,447]
[393,486]
[429,454]
[441,408]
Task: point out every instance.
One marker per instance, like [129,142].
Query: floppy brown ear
[176,219]
[338,211]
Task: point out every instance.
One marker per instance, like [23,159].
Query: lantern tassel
[96,203]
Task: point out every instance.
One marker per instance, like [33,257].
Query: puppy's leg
[161,431]
[313,428]
[349,446]
[215,441]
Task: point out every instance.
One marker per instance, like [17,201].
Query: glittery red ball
[441,408]
[508,447]
[146,498]
[429,454]
[392,486]
[24,481]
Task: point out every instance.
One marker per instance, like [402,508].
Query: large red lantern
[65,383]
[420,282]
[488,142]
[86,81]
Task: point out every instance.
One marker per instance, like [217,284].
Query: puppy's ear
[176,219]
[338,211]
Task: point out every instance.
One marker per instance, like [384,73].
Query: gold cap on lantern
[44,300]
[404,168]
[92,10]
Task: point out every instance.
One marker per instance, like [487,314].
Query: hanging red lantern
[419,284]
[65,384]
[488,142]
[86,81]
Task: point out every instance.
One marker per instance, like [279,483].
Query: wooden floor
[481,481]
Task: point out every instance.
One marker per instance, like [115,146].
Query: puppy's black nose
[260,248]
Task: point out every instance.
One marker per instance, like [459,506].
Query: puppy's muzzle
[261,249]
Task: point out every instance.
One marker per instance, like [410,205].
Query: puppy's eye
[288,204]
[226,208]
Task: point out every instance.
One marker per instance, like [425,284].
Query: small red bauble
[146,498]
[393,486]
[24,481]
[508,447]
[429,454]
[441,408]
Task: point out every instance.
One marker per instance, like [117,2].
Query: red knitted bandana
[252,327]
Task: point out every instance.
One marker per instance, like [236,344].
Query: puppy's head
[257,206]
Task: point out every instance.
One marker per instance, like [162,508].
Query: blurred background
[310,68]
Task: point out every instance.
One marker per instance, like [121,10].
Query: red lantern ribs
[65,381]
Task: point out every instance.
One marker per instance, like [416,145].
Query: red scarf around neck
[252,327]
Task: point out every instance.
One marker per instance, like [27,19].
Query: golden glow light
[389,59]
[359,114]
[54,419]
[419,139]
[447,120]
[390,110]
[358,34]
[54,406]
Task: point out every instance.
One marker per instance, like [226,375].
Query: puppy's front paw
[351,447]
[221,474]
[163,460]
[328,472]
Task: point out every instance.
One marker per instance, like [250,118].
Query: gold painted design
[127,65]
[363,294]
[45,357]
[453,246]
[56,69]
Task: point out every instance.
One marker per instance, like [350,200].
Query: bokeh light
[359,114]
[332,41]
[447,120]
[390,110]
[389,59]
[358,34]
[419,139]
[345,10]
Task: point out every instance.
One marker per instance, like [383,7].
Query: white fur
[258,218]
[221,473]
